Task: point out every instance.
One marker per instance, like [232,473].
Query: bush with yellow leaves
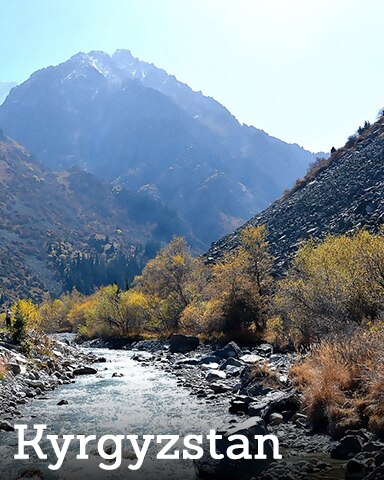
[333,286]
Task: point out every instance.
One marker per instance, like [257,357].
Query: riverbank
[50,364]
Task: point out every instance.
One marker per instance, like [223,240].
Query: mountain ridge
[131,123]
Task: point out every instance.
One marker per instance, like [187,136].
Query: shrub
[333,286]
[343,383]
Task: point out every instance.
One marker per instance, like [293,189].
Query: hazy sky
[306,71]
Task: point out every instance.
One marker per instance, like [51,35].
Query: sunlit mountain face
[133,125]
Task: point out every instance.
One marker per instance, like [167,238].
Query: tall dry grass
[343,383]
[3,369]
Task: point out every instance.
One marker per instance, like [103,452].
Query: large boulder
[347,448]
[209,468]
[230,350]
[182,343]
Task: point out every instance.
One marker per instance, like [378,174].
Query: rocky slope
[47,215]
[134,125]
[346,195]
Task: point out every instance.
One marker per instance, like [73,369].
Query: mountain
[133,125]
[69,228]
[5,88]
[342,194]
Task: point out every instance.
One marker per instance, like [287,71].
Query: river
[145,400]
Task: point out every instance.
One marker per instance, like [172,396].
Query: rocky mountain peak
[132,124]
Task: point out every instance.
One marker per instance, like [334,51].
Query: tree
[242,281]
[172,280]
[260,263]
[18,324]
[29,312]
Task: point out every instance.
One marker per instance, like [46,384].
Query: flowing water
[144,401]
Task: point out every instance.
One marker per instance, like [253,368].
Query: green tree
[18,324]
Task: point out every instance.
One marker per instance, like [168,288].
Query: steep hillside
[342,197]
[49,218]
[134,125]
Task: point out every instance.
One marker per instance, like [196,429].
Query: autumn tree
[172,280]
[241,281]
[253,241]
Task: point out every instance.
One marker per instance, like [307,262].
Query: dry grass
[3,369]
[343,383]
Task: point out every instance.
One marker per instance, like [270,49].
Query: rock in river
[182,343]
[84,371]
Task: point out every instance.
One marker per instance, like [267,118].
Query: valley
[166,269]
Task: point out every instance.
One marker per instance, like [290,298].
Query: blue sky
[306,71]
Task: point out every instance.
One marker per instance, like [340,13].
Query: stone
[85,371]
[276,419]
[300,420]
[347,448]
[207,359]
[355,470]
[182,343]
[231,362]
[35,384]
[210,366]
[265,348]
[251,358]
[233,371]
[379,458]
[214,375]
[117,375]
[230,350]
[14,367]
[5,426]
[63,402]
[238,406]
[219,388]
[187,361]
[256,408]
